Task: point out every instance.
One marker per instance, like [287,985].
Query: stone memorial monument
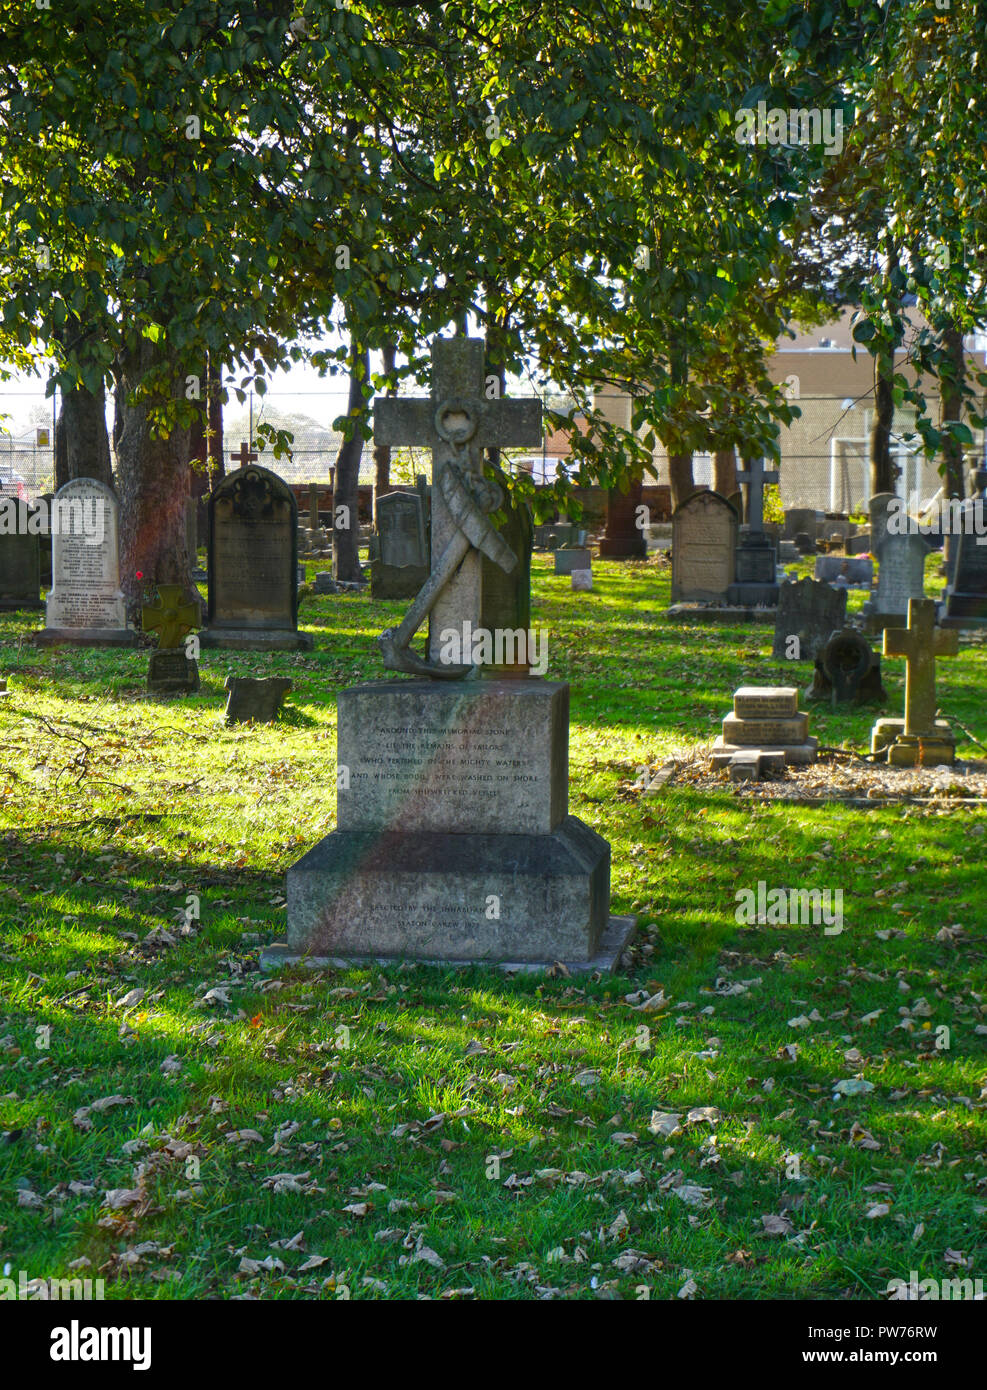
[171,671]
[253,563]
[920,738]
[453,839]
[765,726]
[808,613]
[900,578]
[85,607]
[399,546]
[20,558]
[756,565]
[704,542]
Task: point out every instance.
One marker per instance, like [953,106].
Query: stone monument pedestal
[251,639]
[934,749]
[454,843]
[756,574]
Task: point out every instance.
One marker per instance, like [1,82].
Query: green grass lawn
[387,1133]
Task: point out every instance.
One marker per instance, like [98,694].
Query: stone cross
[457,422]
[920,643]
[245,456]
[170,617]
[756,476]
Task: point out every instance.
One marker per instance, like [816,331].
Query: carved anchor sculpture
[469,498]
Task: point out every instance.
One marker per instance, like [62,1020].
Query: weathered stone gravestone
[900,578]
[453,841]
[920,738]
[808,613]
[399,547]
[568,560]
[581,581]
[85,607]
[255,698]
[848,571]
[766,719]
[755,579]
[965,599]
[704,545]
[253,564]
[171,671]
[802,521]
[20,556]
[847,671]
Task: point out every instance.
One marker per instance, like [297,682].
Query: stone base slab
[716,613]
[246,639]
[936,748]
[85,637]
[752,594]
[456,897]
[617,936]
[761,732]
[793,752]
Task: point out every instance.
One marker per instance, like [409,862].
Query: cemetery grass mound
[182,1126]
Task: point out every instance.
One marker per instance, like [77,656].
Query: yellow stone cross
[920,643]
[170,617]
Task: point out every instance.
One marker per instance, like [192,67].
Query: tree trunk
[382,452]
[725,472]
[882,469]
[346,490]
[82,445]
[951,377]
[153,483]
[680,477]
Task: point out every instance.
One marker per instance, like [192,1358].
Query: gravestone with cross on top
[756,573]
[919,738]
[453,839]
[171,670]
[457,422]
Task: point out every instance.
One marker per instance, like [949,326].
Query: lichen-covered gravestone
[85,607]
[919,738]
[253,564]
[258,699]
[900,578]
[808,613]
[171,671]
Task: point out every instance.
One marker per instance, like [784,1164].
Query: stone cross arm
[410,420]
[171,618]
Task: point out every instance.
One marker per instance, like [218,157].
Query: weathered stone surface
[766,702]
[399,560]
[810,611]
[568,560]
[86,605]
[920,643]
[900,577]
[581,581]
[793,753]
[935,749]
[487,755]
[802,521]
[171,672]
[853,571]
[966,593]
[755,733]
[429,896]
[704,543]
[253,564]
[259,699]
[847,670]
[20,559]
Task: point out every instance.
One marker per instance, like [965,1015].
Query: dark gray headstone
[966,594]
[809,610]
[399,559]
[259,698]
[847,671]
[253,564]
[171,672]
[802,520]
[20,556]
[568,560]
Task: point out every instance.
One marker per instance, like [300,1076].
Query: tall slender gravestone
[20,555]
[85,607]
[756,580]
[253,563]
[398,546]
[454,841]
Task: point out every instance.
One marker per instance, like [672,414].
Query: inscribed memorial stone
[85,606]
[704,542]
